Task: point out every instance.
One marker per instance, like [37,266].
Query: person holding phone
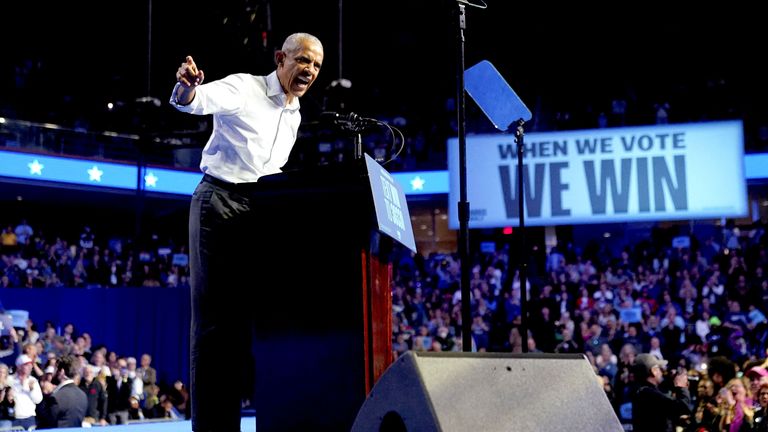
[653,410]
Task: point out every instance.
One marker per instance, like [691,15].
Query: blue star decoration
[36,167]
[150,179]
[417,183]
[94,174]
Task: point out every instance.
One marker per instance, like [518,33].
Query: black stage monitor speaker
[488,392]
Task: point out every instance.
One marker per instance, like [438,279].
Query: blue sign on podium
[390,204]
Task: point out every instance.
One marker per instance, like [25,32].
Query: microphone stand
[519,138]
[463,204]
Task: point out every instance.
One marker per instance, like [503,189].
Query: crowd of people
[700,310]
[59,378]
[118,388]
[30,259]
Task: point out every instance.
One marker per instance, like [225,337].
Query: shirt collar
[62,384]
[275,90]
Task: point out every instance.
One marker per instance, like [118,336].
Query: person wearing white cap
[26,393]
[653,410]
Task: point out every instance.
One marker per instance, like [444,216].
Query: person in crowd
[165,410]
[134,409]
[736,411]
[94,390]
[151,400]
[256,120]
[761,415]
[138,384]
[706,414]
[755,376]
[6,399]
[119,391]
[179,396]
[567,345]
[607,362]
[30,334]
[24,234]
[720,371]
[99,362]
[624,378]
[146,372]
[8,240]
[66,405]
[26,393]
[653,410]
[87,238]
[33,353]
[112,360]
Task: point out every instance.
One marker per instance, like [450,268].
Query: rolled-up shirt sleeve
[183,108]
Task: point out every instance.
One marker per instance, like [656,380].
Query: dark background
[63,61]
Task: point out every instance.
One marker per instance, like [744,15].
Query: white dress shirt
[253,129]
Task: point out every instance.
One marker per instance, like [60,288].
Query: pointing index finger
[191,66]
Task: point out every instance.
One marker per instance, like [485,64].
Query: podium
[322,306]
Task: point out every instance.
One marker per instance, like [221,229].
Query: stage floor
[247,424]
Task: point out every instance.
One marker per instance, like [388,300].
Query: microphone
[350,121]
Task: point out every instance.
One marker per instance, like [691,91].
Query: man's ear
[279,57]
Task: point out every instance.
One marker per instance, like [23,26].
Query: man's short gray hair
[293,42]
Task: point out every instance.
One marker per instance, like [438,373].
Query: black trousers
[222,255]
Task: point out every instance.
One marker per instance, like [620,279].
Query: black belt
[227,185]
